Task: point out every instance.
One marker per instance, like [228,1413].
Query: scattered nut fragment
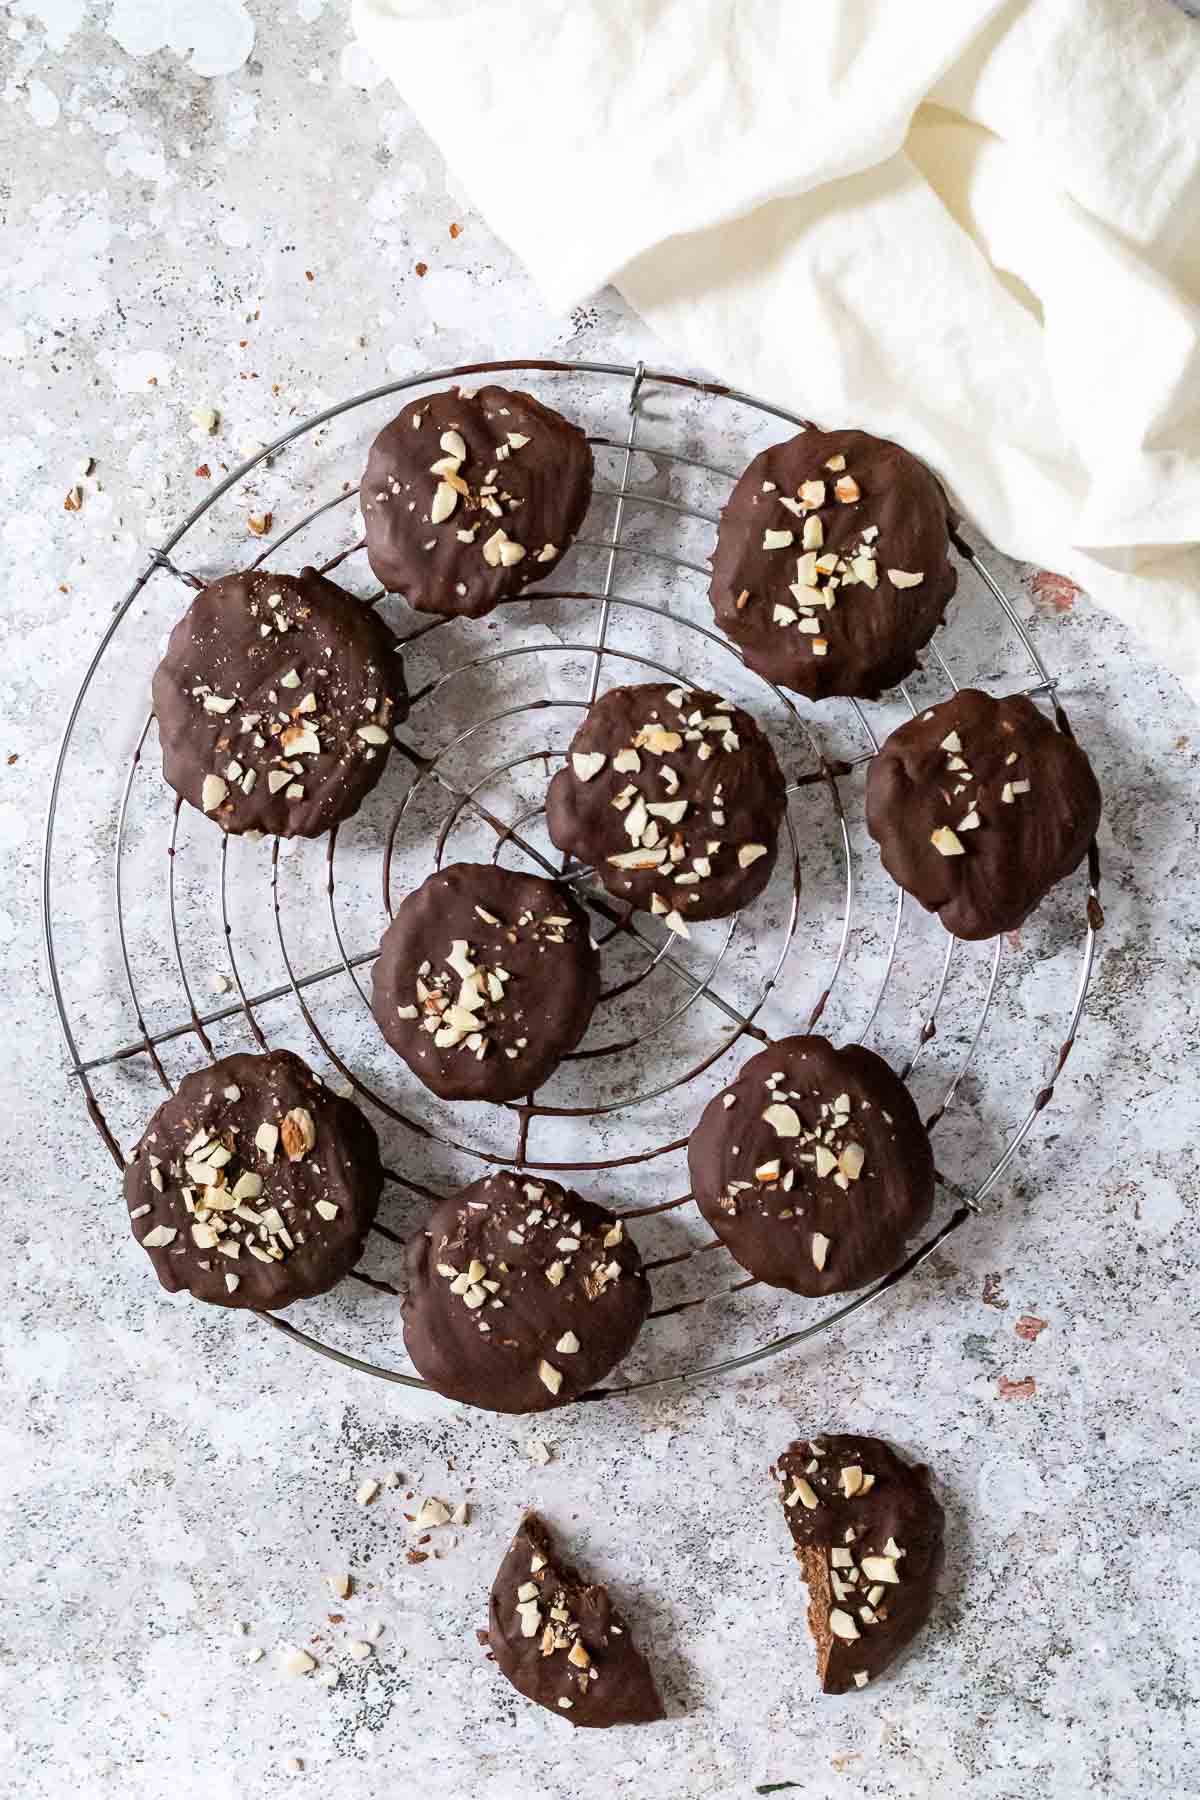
[847,490]
[842,1625]
[750,853]
[851,1160]
[777,540]
[904,578]
[851,1480]
[549,1376]
[358,1650]
[820,1249]
[339,1585]
[205,419]
[260,523]
[367,1492]
[947,842]
[784,1120]
[587,764]
[444,502]
[538,1451]
[298,1133]
[296,1662]
[213,790]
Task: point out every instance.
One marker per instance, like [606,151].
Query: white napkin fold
[975,228]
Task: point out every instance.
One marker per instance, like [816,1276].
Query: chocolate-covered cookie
[868,1537]
[560,1640]
[253,1185]
[470,497]
[520,1295]
[832,567]
[275,702]
[813,1166]
[675,797]
[485,980]
[979,807]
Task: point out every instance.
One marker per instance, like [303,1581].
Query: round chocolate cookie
[675,797]
[520,1295]
[868,1537]
[275,702]
[813,1166]
[832,567]
[470,497]
[979,807]
[485,980]
[560,1640]
[253,1185]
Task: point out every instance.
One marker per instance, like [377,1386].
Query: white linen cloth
[971,225]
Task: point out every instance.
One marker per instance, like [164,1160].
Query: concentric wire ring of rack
[604,655]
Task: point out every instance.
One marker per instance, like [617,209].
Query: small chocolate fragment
[675,797]
[979,807]
[813,1166]
[562,1642]
[520,1295]
[275,703]
[468,498]
[832,568]
[868,1537]
[485,980]
[253,1185]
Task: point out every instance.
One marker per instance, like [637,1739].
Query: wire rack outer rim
[637,374]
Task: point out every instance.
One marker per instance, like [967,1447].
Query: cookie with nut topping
[979,808]
[832,569]
[673,795]
[275,702]
[560,1640]
[470,497]
[868,1533]
[253,1185]
[485,980]
[520,1295]
[813,1166]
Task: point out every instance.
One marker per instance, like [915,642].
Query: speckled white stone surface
[221,205]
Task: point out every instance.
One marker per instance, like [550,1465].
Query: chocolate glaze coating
[332,673]
[609,1682]
[864,1207]
[535,493]
[502,1348]
[717,765]
[893,1510]
[535,932]
[871,634]
[1024,839]
[305,1252]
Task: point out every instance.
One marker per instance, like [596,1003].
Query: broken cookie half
[868,1536]
[562,1642]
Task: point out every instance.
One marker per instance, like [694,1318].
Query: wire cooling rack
[489,723]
